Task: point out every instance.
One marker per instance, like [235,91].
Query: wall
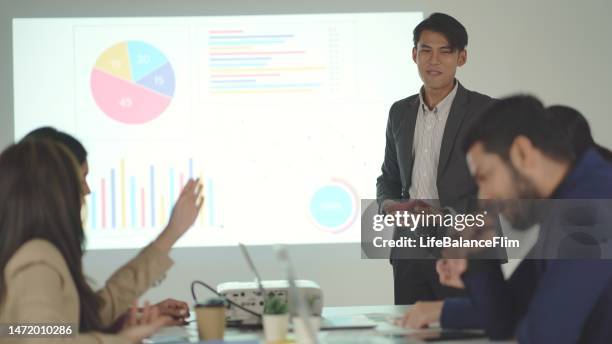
[558,50]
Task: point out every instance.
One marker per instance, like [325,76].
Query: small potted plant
[275,319]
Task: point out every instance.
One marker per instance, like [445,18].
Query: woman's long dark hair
[49,133]
[40,198]
[578,129]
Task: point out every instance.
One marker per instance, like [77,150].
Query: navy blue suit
[545,301]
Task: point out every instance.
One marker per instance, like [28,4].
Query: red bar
[182,182]
[103,196]
[142,207]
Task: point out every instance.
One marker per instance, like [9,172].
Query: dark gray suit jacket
[417,280]
[455,185]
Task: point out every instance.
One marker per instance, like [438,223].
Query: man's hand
[388,206]
[404,209]
[422,314]
[178,310]
[411,206]
[450,271]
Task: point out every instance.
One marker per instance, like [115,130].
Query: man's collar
[444,103]
[574,175]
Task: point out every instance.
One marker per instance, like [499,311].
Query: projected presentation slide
[282,117]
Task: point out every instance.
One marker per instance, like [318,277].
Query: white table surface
[385,332]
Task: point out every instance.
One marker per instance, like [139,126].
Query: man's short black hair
[506,119]
[69,141]
[448,26]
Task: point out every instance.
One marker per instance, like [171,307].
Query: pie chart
[132,82]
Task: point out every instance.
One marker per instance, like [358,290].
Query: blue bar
[190,168]
[133,199]
[93,209]
[152,175]
[209,201]
[113,220]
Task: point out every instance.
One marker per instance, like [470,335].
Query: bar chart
[270,60]
[123,200]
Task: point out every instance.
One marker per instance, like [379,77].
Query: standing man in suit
[423,157]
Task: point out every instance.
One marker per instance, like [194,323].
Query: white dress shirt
[428,134]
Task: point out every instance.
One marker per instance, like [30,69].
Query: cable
[195,299]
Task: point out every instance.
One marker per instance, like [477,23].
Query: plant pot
[275,327]
[300,331]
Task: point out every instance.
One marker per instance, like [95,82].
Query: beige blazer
[41,290]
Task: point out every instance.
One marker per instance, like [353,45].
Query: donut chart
[132,82]
[333,207]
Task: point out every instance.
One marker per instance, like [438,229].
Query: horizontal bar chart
[272,62]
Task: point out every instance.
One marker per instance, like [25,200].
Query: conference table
[384,332]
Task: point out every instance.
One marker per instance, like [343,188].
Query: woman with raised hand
[41,249]
[178,310]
